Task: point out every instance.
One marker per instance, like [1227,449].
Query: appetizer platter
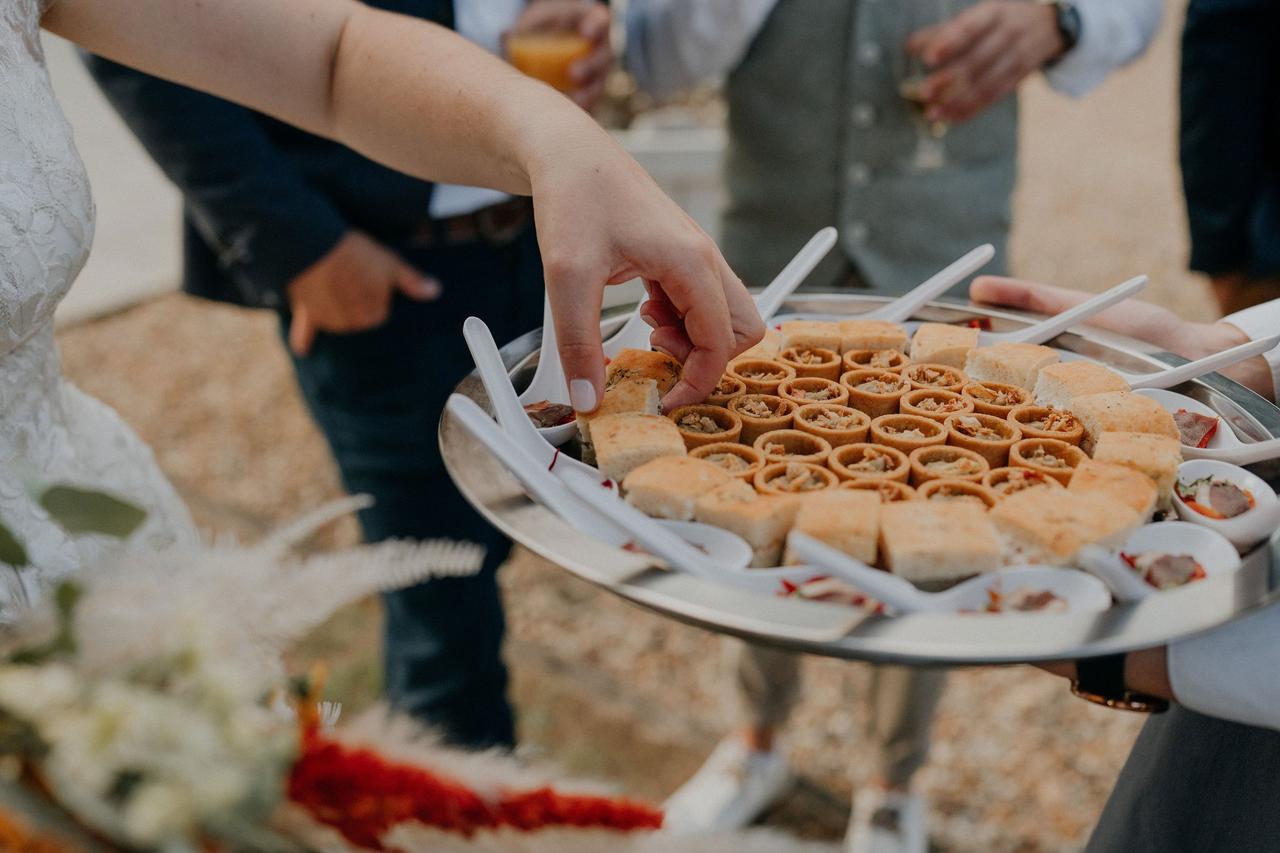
[936,489]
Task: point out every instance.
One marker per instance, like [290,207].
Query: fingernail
[582,395]
[430,288]
[649,321]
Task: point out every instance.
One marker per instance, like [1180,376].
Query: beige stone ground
[611,690]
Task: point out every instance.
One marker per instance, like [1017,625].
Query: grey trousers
[1196,784]
[902,701]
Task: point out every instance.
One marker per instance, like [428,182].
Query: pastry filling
[1045,459]
[932,404]
[951,493]
[882,385]
[694,422]
[818,395]
[994,396]
[797,478]
[960,466]
[729,461]
[761,374]
[1024,600]
[1020,479]
[1165,571]
[974,428]
[874,461]
[725,388]
[757,409]
[806,356]
[1215,497]
[933,376]
[1055,421]
[912,432]
[833,420]
[1195,429]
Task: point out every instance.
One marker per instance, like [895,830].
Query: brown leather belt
[496,225]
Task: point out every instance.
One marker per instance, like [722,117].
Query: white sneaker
[887,822]
[731,789]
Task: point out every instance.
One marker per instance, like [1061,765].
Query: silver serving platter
[844,632]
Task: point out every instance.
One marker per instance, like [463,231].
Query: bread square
[668,486]
[627,396]
[1157,456]
[768,347]
[1052,525]
[1119,481]
[762,520]
[643,364]
[940,343]
[1058,384]
[817,334]
[935,544]
[872,335]
[1009,363]
[1121,411]
[845,519]
[625,442]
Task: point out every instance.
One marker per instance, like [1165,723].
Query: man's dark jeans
[377,396]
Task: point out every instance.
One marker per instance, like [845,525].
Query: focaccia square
[810,333]
[871,334]
[1121,411]
[1119,481]
[1052,525]
[625,442]
[935,544]
[668,486]
[1009,363]
[845,519]
[1058,384]
[643,364]
[1157,456]
[768,348]
[762,520]
[627,396]
[940,343]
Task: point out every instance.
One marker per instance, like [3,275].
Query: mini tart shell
[860,359]
[881,434]
[739,368]
[995,451]
[752,426]
[729,422]
[800,447]
[996,478]
[720,396]
[890,490]
[951,379]
[1019,457]
[842,457]
[835,437]
[928,491]
[925,455]
[828,367]
[1021,414]
[795,390]
[984,408]
[752,456]
[764,477]
[873,404]
[910,404]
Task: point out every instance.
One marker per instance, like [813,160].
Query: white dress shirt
[482,22]
[675,44]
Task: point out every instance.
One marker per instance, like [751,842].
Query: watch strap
[1101,681]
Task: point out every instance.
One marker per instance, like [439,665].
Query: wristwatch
[1101,681]
[1069,26]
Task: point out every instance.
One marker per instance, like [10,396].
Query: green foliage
[85,511]
[11,550]
[65,598]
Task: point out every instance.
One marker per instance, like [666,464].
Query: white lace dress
[48,428]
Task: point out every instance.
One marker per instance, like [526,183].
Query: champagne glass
[930,153]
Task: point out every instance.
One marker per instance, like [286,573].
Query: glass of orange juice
[547,55]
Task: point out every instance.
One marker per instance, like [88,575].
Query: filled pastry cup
[1009,481]
[804,390]
[1047,422]
[1049,456]
[889,490]
[987,435]
[876,392]
[867,461]
[726,389]
[891,360]
[760,375]
[812,362]
[944,462]
[706,424]
[907,432]
[793,478]
[761,413]
[995,398]
[838,425]
[738,459]
[947,489]
[940,376]
[936,404]
[792,445]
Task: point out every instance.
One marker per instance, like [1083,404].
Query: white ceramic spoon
[1211,550]
[906,305]
[1193,369]
[1051,327]
[511,415]
[1240,454]
[1082,593]
[548,381]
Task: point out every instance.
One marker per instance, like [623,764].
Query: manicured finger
[695,290]
[1024,295]
[744,315]
[302,333]
[415,285]
[576,290]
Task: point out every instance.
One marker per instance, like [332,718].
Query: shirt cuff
[1230,673]
[1112,33]
[1261,321]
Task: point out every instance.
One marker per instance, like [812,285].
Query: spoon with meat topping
[1226,499]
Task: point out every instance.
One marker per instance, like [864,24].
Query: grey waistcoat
[819,136]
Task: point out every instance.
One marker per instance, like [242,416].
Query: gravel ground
[1018,764]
